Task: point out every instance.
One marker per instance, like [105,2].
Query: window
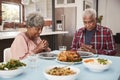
[70,1]
[11,12]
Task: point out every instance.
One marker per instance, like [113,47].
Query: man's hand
[87,48]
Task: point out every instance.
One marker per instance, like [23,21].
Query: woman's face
[35,32]
[89,22]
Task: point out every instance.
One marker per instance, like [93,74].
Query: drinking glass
[32,61]
[62,48]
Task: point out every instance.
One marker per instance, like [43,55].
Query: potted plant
[99,19]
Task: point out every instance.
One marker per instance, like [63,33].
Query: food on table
[11,65]
[102,61]
[60,71]
[89,60]
[97,61]
[97,64]
[69,56]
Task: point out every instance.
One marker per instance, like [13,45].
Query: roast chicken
[69,56]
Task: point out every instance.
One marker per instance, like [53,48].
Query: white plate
[85,54]
[68,63]
[47,55]
[55,51]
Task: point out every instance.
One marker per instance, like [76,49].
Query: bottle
[59,25]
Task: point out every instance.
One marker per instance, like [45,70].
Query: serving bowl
[11,73]
[11,68]
[61,76]
[97,64]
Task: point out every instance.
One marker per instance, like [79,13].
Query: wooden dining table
[36,73]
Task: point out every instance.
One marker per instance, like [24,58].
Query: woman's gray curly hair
[35,20]
[89,12]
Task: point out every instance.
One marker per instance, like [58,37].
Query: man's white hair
[89,12]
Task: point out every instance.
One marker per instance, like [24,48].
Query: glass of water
[32,61]
[62,48]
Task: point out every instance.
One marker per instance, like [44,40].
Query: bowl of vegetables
[11,68]
[97,64]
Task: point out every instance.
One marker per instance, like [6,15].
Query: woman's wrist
[35,51]
[31,52]
[48,49]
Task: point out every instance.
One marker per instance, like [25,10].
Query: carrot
[89,60]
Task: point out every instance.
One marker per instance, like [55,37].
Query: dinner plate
[47,55]
[55,51]
[85,54]
[68,63]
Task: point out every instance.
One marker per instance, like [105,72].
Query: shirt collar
[98,28]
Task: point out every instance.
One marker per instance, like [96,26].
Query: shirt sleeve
[110,45]
[38,40]
[19,47]
[74,42]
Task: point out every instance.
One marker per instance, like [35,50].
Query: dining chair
[7,54]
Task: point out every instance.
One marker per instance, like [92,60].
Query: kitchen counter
[12,34]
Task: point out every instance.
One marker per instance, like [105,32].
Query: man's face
[89,22]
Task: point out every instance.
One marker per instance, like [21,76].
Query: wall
[80,8]
[79,13]
[43,6]
[110,9]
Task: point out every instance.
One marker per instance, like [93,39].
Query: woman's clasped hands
[42,46]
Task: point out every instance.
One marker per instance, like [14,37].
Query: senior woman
[29,42]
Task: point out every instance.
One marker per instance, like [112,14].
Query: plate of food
[47,55]
[69,57]
[85,54]
[97,64]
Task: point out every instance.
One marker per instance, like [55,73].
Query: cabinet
[4,43]
[65,3]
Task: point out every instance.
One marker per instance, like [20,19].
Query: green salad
[77,60]
[102,61]
[11,65]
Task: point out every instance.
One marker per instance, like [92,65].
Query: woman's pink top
[22,46]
